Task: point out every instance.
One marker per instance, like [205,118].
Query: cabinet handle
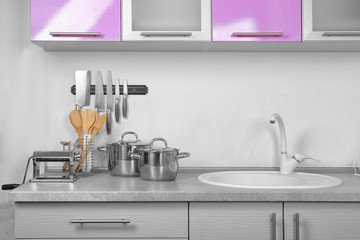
[297,226]
[257,34]
[166,34]
[273,224]
[79,34]
[79,220]
[342,34]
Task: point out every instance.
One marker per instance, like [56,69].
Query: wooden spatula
[96,128]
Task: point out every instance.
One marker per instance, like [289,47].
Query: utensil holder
[88,149]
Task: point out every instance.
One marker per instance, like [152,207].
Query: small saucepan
[159,164]
[120,162]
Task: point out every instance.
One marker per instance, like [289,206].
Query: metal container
[120,162]
[159,164]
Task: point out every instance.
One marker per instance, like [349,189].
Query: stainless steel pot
[159,164]
[120,162]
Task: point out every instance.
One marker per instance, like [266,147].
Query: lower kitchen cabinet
[236,220]
[101,220]
[321,221]
[184,220]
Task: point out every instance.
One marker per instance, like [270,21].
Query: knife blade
[117,100]
[99,94]
[109,102]
[125,99]
[82,81]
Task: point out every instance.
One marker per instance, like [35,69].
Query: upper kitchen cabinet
[331,20]
[256,20]
[75,20]
[166,20]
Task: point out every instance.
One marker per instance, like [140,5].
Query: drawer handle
[342,34]
[78,34]
[273,223]
[257,34]
[79,220]
[166,34]
[297,226]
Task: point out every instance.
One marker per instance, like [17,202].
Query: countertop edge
[105,188]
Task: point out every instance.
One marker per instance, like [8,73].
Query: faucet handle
[300,158]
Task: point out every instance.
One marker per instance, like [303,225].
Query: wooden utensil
[96,128]
[88,118]
[96,119]
[75,119]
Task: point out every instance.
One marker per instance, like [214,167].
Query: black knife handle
[9,186]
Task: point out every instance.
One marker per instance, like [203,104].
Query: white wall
[214,105]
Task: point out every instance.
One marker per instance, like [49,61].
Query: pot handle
[102,149]
[183,155]
[158,139]
[130,133]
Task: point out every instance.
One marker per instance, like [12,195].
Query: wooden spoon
[96,128]
[88,117]
[75,119]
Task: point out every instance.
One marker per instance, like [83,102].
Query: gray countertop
[101,187]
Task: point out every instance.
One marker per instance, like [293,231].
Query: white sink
[269,179]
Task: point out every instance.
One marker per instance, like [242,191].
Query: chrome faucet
[287,163]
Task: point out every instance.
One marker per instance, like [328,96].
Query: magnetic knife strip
[132,89]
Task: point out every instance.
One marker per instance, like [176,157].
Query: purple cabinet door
[75,20]
[256,20]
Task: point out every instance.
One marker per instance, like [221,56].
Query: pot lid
[139,143]
[159,149]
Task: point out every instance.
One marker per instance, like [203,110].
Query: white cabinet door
[166,20]
[322,221]
[331,21]
[236,220]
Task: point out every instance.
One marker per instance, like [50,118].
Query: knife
[99,94]
[125,99]
[82,81]
[117,100]
[82,98]
[109,102]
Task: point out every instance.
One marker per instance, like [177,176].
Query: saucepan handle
[183,155]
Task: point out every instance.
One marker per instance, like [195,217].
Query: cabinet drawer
[101,220]
[236,220]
